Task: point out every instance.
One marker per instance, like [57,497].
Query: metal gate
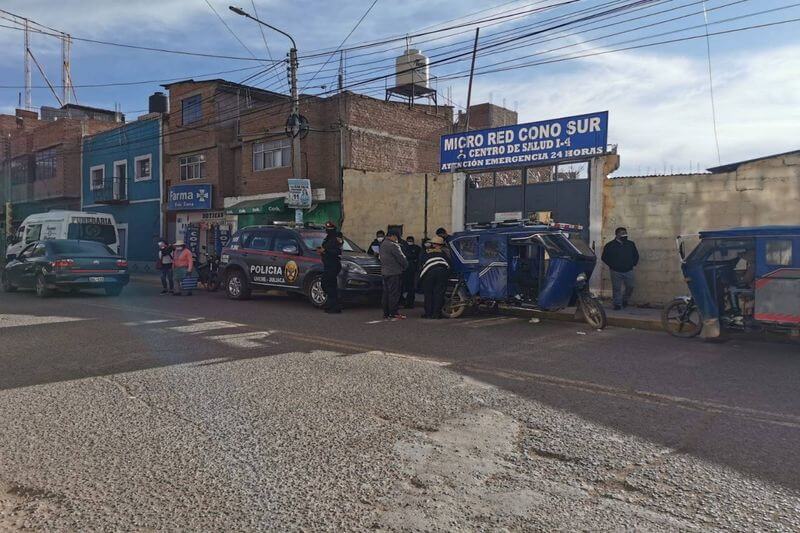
[563,190]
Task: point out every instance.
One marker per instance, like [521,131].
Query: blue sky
[658,97]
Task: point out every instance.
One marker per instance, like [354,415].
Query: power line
[264,36]
[133,46]
[342,43]
[711,85]
[140,82]
[222,20]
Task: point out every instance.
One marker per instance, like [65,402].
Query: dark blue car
[62,264]
[535,266]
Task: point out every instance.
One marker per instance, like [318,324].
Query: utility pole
[294,123]
[471,76]
[27,66]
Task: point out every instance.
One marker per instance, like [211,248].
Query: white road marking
[376,321]
[486,322]
[199,327]
[13,321]
[143,323]
[254,339]
[404,356]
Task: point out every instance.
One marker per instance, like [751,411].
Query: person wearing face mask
[621,256]
[331,251]
[183,265]
[375,246]
[412,253]
[393,264]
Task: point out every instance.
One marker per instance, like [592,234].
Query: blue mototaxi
[744,279]
[528,265]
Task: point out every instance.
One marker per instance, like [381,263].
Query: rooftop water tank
[412,69]
[158,103]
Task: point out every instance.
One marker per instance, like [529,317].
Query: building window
[779,253]
[193,167]
[97,177]
[540,174]
[19,171]
[572,171]
[143,167]
[481,180]
[46,164]
[272,154]
[191,110]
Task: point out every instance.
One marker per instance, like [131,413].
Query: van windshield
[104,233]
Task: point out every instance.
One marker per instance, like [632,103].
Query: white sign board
[299,194]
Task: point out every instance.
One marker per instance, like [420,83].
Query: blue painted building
[122,175]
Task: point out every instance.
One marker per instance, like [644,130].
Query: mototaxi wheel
[592,310]
[456,302]
[681,318]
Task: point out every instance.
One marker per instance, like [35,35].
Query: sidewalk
[631,317]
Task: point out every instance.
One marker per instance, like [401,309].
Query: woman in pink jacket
[182,265]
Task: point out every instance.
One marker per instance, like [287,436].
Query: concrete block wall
[373,200]
[656,209]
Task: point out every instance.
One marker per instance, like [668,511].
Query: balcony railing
[114,191]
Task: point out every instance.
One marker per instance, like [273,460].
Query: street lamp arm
[242,12]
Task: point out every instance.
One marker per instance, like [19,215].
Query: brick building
[231,138]
[41,162]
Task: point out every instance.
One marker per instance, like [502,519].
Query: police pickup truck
[286,258]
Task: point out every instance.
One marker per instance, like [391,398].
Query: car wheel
[114,290]
[236,286]
[315,293]
[41,287]
[7,286]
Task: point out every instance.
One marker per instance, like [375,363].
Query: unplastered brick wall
[656,209]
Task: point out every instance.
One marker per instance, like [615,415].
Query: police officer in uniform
[434,274]
[331,251]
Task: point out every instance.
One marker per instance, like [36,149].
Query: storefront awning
[275,207]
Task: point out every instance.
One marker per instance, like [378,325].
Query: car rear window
[89,248]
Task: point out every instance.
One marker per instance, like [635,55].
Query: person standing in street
[375,245]
[183,265]
[164,264]
[412,253]
[331,251]
[621,256]
[393,264]
[434,275]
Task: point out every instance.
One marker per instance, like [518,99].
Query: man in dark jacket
[434,275]
[393,264]
[374,246]
[331,251]
[621,256]
[412,253]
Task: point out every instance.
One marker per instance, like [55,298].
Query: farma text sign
[526,144]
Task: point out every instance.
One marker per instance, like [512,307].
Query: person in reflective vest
[434,275]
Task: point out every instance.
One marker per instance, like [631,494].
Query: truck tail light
[122,263]
[63,263]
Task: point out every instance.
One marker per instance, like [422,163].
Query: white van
[100,227]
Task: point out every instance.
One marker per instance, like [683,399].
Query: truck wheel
[236,286]
[41,287]
[315,293]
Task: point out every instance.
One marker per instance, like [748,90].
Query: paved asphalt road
[150,412]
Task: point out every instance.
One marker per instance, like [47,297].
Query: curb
[616,321]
